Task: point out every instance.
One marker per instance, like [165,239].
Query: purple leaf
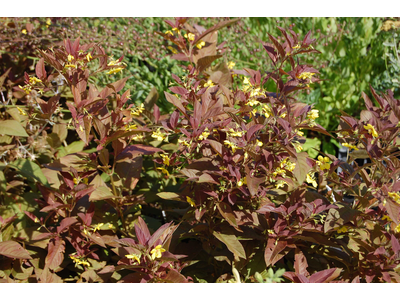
[14,250]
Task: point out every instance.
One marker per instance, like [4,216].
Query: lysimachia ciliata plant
[85,173]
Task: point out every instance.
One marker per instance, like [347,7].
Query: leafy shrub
[97,189]
[352,57]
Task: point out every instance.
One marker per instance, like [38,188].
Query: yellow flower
[164,171]
[306,75]
[297,47]
[190,201]
[183,142]
[200,44]
[387,218]
[169,32]
[118,68]
[342,229]
[324,162]
[298,146]
[79,261]
[70,58]
[114,63]
[371,130]
[75,181]
[279,172]
[138,137]
[70,66]
[209,83]
[159,135]
[189,36]
[114,71]
[397,229]
[266,110]
[287,164]
[271,231]
[204,135]
[232,132]
[21,111]
[97,227]
[242,181]
[156,252]
[349,146]
[85,263]
[173,50]
[36,220]
[27,88]
[253,102]
[395,196]
[130,127]
[33,80]
[280,183]
[110,226]
[89,57]
[283,115]
[313,114]
[133,256]
[311,179]
[231,145]
[300,133]
[256,92]
[165,159]
[259,143]
[48,22]
[231,64]
[24,31]
[136,111]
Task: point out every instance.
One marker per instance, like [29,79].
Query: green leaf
[312,146]
[71,148]
[12,128]
[231,241]
[101,193]
[3,184]
[168,196]
[30,170]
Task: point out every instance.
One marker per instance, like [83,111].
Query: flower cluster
[324,162]
[33,81]
[136,111]
[79,261]
[371,130]
[306,75]
[117,66]
[311,116]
